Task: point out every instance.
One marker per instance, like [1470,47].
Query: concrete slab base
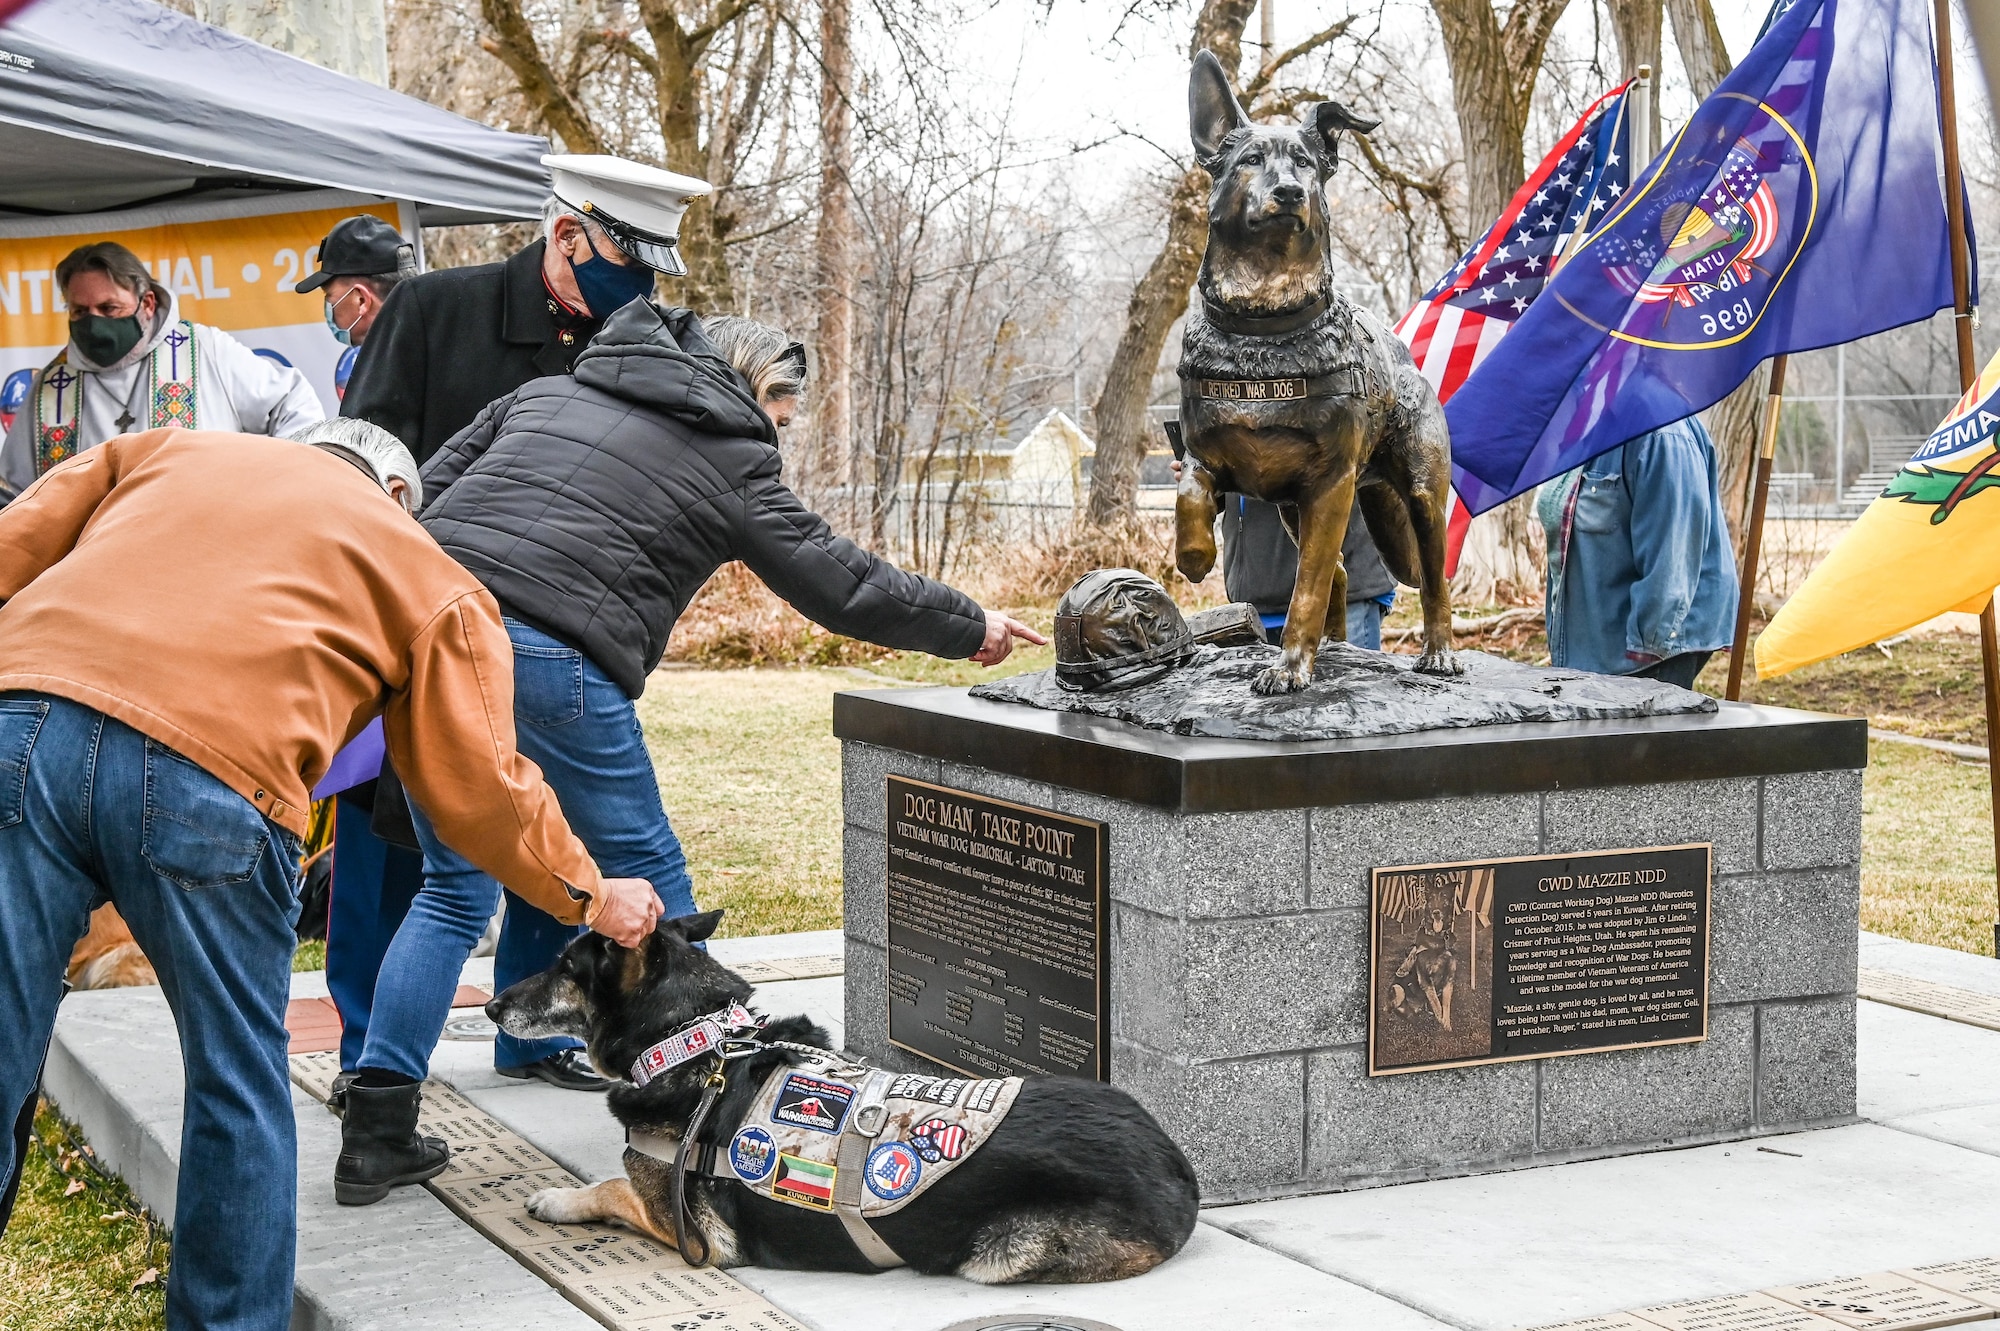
[1916,1184]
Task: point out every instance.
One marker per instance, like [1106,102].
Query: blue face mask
[344,336]
[607,286]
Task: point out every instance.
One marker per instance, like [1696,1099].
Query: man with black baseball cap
[360,262]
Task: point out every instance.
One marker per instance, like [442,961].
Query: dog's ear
[1325,120]
[1213,111]
[696,928]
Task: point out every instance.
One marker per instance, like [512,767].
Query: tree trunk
[1636,24]
[833,411]
[1491,122]
[1123,432]
[1736,421]
[346,36]
[1493,73]
[1699,38]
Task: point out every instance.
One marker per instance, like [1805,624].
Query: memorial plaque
[997,934]
[1495,960]
[1884,1301]
[1977,1278]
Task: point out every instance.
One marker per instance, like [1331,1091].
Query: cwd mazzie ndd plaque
[997,934]
[1495,960]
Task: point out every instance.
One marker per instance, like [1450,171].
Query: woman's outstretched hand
[1001,630]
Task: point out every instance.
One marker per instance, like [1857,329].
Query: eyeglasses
[795,353]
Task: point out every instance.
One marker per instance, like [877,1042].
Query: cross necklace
[125,417]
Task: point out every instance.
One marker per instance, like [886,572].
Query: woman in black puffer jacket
[594,506]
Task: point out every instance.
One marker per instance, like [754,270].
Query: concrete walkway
[1916,1183]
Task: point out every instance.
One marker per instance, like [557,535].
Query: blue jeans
[90,811]
[374,883]
[1364,625]
[583,732]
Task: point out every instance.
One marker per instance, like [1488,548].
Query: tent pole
[1753,540]
[1968,370]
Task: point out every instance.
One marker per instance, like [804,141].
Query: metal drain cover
[472,1026]
[1031,1322]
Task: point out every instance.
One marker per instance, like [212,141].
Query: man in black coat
[445,344]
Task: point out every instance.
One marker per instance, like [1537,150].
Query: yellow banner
[1929,544]
[234,273]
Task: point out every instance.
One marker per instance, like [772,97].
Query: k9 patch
[812,1102]
[805,1183]
[893,1171]
[752,1154]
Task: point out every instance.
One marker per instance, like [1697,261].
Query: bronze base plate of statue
[1354,693]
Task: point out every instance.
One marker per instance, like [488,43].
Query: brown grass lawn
[72,1259]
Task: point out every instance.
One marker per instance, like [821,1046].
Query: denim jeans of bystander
[584,733]
[92,811]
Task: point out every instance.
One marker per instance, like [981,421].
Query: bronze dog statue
[1290,394]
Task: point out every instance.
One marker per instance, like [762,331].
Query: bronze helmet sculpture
[1117,628]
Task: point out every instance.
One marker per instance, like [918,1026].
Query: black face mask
[104,340]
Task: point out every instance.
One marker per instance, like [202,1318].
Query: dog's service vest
[854,1142]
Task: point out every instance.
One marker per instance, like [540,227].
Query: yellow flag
[1929,544]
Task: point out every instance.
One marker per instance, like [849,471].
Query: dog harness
[834,1136]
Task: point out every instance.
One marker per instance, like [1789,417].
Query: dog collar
[703,1035]
[1267,325]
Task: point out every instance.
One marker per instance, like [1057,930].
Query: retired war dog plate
[1495,960]
[1254,390]
[998,928]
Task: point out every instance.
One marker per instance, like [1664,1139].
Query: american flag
[1458,321]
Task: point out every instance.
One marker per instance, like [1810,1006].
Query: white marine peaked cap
[638,206]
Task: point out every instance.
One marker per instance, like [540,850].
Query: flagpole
[1753,539]
[1968,370]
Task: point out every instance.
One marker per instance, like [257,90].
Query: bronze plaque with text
[997,933]
[1495,960]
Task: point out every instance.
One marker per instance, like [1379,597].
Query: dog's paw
[562,1206]
[1441,662]
[1281,678]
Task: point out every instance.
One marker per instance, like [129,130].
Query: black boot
[379,1145]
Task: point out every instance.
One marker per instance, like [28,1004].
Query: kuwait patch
[893,1171]
[935,1140]
[752,1154]
[805,1183]
[812,1102]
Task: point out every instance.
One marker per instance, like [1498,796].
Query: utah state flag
[1802,206]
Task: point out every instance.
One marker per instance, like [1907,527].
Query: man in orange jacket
[193,625]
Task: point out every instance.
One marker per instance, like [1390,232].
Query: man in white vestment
[133,363]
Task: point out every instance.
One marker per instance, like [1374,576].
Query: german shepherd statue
[1077,1182]
[1290,394]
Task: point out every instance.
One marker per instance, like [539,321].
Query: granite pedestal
[1239,889]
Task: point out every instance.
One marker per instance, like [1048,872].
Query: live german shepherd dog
[1290,394]
[1077,1183]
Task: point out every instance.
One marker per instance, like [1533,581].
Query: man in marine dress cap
[445,344]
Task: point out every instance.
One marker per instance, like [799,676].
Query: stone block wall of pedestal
[1239,972]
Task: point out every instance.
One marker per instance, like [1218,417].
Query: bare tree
[1737,421]
[670,47]
[1161,296]
[1636,24]
[1494,64]
[833,411]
